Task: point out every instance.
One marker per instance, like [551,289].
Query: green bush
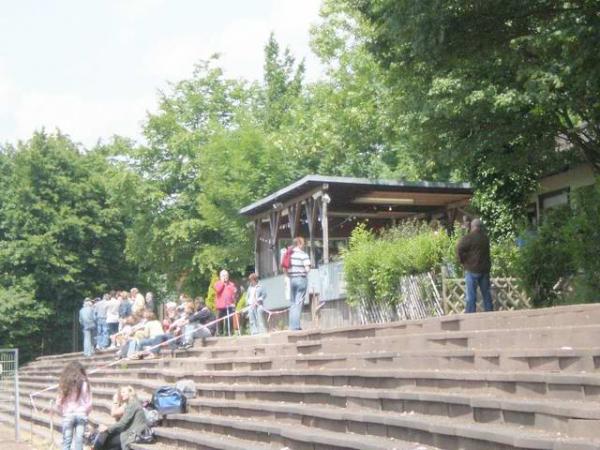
[584,231]
[546,257]
[566,246]
[211,294]
[374,264]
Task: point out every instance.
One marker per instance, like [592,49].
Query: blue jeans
[257,320]
[298,287]
[73,426]
[482,280]
[194,330]
[151,342]
[88,346]
[102,333]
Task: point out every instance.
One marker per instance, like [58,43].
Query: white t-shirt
[112,311]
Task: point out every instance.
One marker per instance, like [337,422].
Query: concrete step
[580,386]
[575,315]
[566,359]
[443,433]
[238,428]
[171,438]
[567,417]
[513,338]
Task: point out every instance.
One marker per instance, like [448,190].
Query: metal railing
[9,387]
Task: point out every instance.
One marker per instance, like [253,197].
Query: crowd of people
[127,322]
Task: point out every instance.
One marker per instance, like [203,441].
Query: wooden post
[294,218]
[257,230]
[311,215]
[444,292]
[274,228]
[325,227]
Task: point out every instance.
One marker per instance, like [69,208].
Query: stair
[503,380]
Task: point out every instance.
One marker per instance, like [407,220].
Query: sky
[93,68]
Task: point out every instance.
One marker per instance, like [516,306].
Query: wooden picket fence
[506,294]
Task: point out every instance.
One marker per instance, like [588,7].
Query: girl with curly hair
[74,402]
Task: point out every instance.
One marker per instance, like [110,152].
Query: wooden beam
[324,200]
[257,230]
[274,228]
[294,218]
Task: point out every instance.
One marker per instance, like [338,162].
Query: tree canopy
[494,93]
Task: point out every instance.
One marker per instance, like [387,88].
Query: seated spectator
[131,423]
[117,408]
[134,334]
[170,315]
[153,334]
[196,325]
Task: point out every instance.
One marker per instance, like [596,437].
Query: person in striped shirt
[298,272]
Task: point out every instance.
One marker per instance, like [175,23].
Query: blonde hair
[130,390]
[299,241]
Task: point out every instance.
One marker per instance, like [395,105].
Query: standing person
[298,273]
[138,302]
[225,301]
[101,328]
[112,316]
[473,252]
[88,324]
[124,308]
[256,296]
[149,301]
[74,403]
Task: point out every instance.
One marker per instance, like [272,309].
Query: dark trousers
[225,326]
[482,280]
[106,441]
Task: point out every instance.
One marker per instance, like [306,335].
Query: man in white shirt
[298,273]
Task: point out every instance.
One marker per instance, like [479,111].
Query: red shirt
[225,294]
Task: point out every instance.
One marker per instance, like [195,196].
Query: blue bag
[168,400]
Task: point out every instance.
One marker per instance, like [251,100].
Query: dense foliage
[563,253]
[62,237]
[374,264]
[491,85]
[413,89]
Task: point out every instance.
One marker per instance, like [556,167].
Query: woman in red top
[225,301]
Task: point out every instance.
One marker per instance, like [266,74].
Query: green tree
[490,85]
[61,237]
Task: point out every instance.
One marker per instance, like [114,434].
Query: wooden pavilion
[325,210]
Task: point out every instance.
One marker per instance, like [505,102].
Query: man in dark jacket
[473,252]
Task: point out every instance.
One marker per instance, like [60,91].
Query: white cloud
[240,43]
[92,111]
[136,8]
[85,119]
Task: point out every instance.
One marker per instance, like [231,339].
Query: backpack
[169,400]
[286,260]
[146,436]
[187,387]
[153,417]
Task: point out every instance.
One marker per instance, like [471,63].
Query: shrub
[211,294]
[374,264]
[546,257]
[584,231]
